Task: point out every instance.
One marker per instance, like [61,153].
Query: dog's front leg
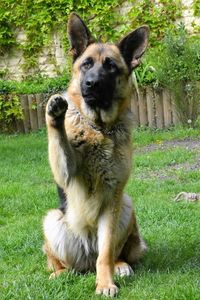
[106,246]
[61,155]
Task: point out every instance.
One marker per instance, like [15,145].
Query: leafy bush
[196,7]
[39,84]
[158,15]
[177,67]
[10,111]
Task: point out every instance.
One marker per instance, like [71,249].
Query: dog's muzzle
[97,89]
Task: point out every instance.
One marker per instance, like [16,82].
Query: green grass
[170,268]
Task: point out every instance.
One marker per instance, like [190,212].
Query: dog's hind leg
[134,248]
[55,232]
[53,263]
[132,251]
[64,249]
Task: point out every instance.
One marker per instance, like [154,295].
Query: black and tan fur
[90,153]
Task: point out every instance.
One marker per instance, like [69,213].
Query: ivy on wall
[39,18]
[160,18]
[196,7]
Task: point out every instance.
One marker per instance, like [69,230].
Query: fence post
[25,108]
[134,107]
[167,108]
[20,126]
[40,110]
[159,108]
[175,117]
[142,107]
[150,107]
[33,112]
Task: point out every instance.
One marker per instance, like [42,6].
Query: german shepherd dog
[90,153]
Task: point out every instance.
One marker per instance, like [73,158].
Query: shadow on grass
[166,257]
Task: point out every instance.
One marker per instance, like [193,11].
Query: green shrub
[10,111]
[39,84]
[175,65]
[178,68]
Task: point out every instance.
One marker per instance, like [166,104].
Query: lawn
[165,163]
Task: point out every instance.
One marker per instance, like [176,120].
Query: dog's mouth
[94,101]
[91,100]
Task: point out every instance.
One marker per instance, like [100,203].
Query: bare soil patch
[189,144]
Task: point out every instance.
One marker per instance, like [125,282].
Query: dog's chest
[96,155]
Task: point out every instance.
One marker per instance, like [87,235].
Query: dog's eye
[87,63]
[109,65]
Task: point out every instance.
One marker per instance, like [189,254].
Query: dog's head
[100,83]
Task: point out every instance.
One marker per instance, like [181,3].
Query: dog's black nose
[90,83]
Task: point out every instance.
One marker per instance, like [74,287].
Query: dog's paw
[110,290]
[123,269]
[57,106]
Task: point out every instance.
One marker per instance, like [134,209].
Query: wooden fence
[33,107]
[153,108]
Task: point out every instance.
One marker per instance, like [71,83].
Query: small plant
[145,74]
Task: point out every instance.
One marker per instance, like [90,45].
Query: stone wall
[52,60]
[188,15]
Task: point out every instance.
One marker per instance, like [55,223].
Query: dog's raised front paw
[57,106]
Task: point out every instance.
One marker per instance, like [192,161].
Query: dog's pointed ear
[133,46]
[78,34]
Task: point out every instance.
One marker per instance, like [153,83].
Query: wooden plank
[175,116]
[159,117]
[33,112]
[20,126]
[25,108]
[167,108]
[150,107]
[135,108]
[40,110]
[44,103]
[45,100]
[142,107]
